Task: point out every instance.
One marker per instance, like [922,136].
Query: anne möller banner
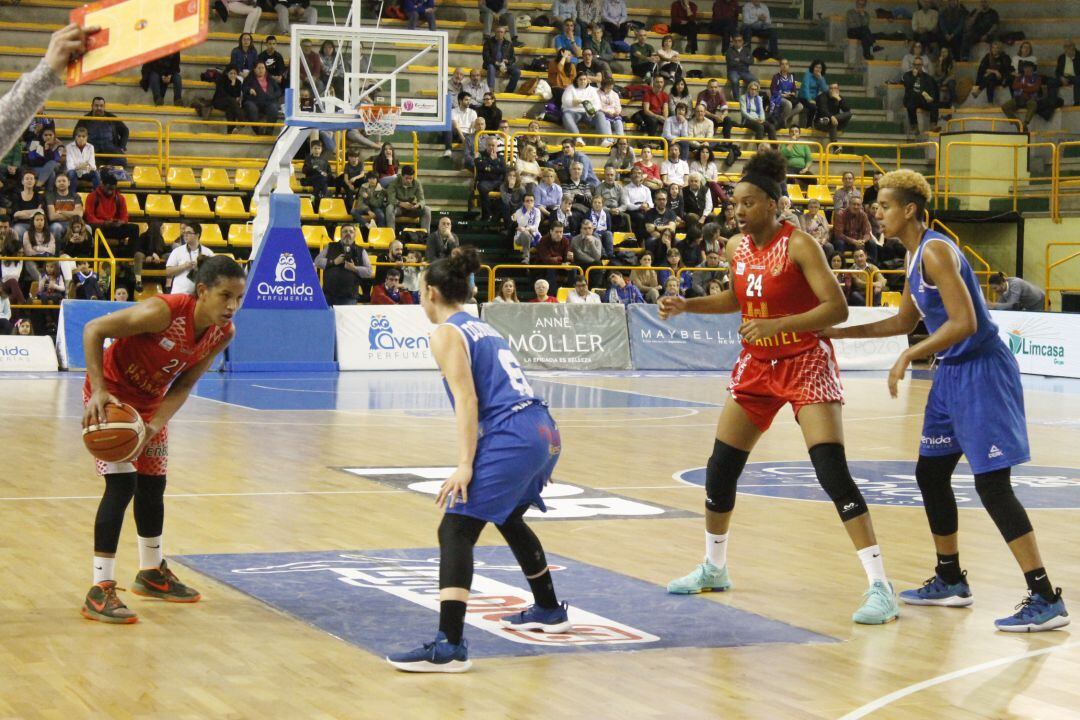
[554,336]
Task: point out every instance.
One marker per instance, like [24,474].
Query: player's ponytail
[766,170]
[212,269]
[451,275]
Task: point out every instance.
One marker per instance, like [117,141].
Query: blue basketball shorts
[514,461]
[976,407]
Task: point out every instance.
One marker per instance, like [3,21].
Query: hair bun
[463,261]
[769,163]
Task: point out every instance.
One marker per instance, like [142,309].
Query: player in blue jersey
[508,446]
[975,407]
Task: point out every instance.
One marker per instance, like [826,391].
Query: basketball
[117,438]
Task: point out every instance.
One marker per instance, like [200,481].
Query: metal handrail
[520,266]
[645,139]
[819,176]
[899,147]
[1057,263]
[95,261]
[992,120]
[1015,177]
[158,159]
[1059,157]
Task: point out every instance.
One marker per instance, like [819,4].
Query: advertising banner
[27,353]
[685,342]
[872,353]
[556,336]
[1043,343]
[384,337]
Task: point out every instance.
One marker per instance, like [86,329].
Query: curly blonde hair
[912,185]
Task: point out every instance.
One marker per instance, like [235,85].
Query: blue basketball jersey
[501,385]
[928,301]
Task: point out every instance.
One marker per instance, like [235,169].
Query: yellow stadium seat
[181,178]
[333,210]
[161,206]
[795,193]
[82,197]
[307,210]
[564,292]
[380,237]
[240,235]
[230,207]
[149,290]
[211,236]
[315,235]
[195,207]
[891,299]
[246,178]
[133,207]
[170,232]
[146,177]
[215,179]
[821,193]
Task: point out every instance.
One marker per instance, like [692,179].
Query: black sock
[543,590]
[452,620]
[948,568]
[1039,583]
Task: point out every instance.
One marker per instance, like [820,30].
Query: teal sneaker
[706,577]
[879,605]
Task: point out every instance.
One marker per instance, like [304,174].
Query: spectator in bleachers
[716,107]
[924,23]
[566,214]
[561,72]
[691,248]
[165,71]
[851,228]
[813,222]
[644,279]
[757,22]
[492,11]
[562,10]
[492,116]
[719,276]
[674,169]
[330,78]
[344,264]
[569,155]
[845,191]
[621,157]
[601,222]
[405,196]
[76,242]
[385,163]
[441,241]
[611,109]
[1025,55]
[615,20]
[13,270]
[244,56]
[684,21]
[248,8]
[80,161]
[462,119]
[697,200]
[675,202]
[832,113]
[1067,70]
[526,166]
[121,294]
[592,68]
[415,10]
[680,93]
[581,294]
[228,95]
[581,104]
[654,107]
[290,11]
[915,50]
[391,291]
[944,75]
[870,194]
[754,115]
[586,246]
[109,137]
[106,210]
[611,192]
[739,59]
[369,203]
[507,292]
[316,171]
[644,61]
[1015,293]
[981,27]
[670,272]
[85,281]
[669,58]
[589,14]
[37,241]
[45,157]
[786,211]
[62,205]
[262,100]
[700,127]
[276,66]
[725,21]
[498,59]
[639,201]
[657,220]
[476,88]
[38,125]
[800,161]
[677,125]
[857,21]
[1026,89]
[785,104]
[569,39]
[5,310]
[541,287]
[151,251]
[813,85]
[554,249]
[704,165]
[920,93]
[579,191]
[729,225]
[857,296]
[595,40]
[25,203]
[314,64]
[622,291]
[490,174]
[547,194]
[650,171]
[352,176]
[952,18]
[995,70]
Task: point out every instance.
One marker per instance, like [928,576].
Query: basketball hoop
[380,119]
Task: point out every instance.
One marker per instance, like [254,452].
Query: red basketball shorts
[153,460]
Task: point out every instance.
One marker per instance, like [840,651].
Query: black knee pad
[119,489]
[996,492]
[933,473]
[149,504]
[523,543]
[457,536]
[830,466]
[722,476]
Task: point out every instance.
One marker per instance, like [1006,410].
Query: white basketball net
[380,119]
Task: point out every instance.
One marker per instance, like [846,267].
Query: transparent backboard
[334,70]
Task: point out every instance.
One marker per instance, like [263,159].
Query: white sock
[150,555]
[873,564]
[716,549]
[104,569]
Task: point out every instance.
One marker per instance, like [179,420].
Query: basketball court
[302,507]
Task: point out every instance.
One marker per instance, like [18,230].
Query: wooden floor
[246,481]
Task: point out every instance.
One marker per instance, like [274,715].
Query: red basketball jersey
[140,369]
[768,284]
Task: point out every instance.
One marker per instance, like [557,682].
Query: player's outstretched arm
[448,347]
[902,323]
[149,316]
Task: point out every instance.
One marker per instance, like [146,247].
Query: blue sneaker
[1036,614]
[879,605]
[549,620]
[936,591]
[440,656]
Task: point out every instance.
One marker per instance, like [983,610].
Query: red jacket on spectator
[379,296]
[679,16]
[101,208]
[852,226]
[549,252]
[1025,88]
[725,9]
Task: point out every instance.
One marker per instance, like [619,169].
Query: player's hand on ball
[759,329]
[94,414]
[455,489]
[670,306]
[896,374]
[152,431]
[65,46]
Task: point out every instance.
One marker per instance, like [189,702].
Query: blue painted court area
[887,482]
[413,391]
[387,600]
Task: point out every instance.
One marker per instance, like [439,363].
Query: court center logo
[889,482]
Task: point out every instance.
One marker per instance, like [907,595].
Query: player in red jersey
[787,293]
[162,347]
